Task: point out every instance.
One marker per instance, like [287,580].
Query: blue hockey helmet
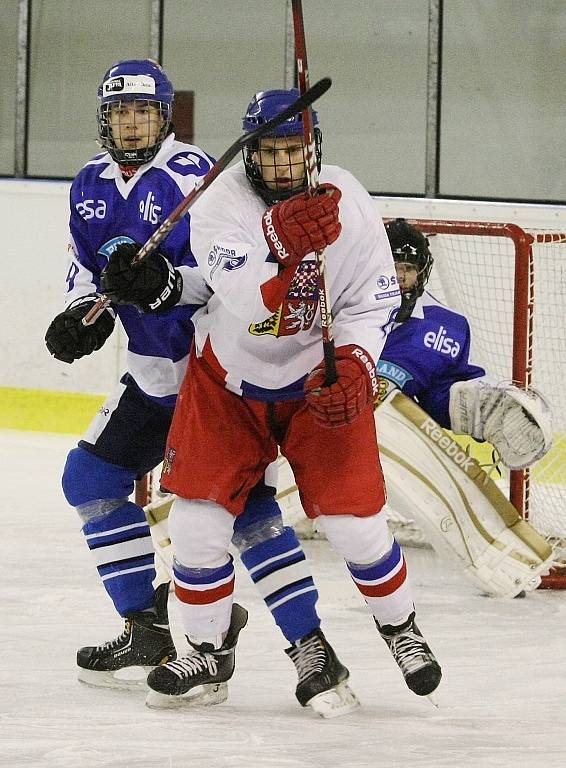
[140,81]
[263,107]
[409,246]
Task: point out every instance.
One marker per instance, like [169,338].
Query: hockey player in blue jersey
[118,198]
[426,355]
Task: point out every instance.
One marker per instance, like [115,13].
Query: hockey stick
[304,101]
[312,177]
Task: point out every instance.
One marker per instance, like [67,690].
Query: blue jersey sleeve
[435,398]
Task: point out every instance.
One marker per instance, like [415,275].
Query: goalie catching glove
[68,339]
[152,285]
[341,403]
[515,421]
[302,224]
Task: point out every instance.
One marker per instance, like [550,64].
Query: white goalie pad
[515,421]
[465,516]
[157,514]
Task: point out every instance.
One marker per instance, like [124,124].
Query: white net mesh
[475,274]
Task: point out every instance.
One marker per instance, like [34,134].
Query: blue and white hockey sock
[121,543]
[280,571]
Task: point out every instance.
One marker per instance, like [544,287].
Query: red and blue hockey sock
[385,586]
[205,597]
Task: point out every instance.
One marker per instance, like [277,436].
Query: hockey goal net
[510,284]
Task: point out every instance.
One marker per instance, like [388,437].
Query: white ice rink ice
[501,701]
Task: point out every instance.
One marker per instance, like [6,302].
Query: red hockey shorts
[220,445]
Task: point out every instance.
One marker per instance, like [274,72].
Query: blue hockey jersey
[107,210]
[426,354]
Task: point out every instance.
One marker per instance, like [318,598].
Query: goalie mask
[134,112]
[409,246]
[275,164]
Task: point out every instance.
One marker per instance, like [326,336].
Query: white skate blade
[201,695]
[335,702]
[125,679]
[433,700]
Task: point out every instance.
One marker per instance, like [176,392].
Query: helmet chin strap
[408,301]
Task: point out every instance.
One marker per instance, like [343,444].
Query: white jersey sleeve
[363,310]
[229,247]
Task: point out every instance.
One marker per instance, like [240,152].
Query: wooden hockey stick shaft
[312,177]
[307,97]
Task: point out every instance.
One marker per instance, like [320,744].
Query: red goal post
[510,283]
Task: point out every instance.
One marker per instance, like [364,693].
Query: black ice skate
[201,676]
[415,659]
[125,661]
[323,680]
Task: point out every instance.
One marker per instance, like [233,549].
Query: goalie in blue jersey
[426,355]
[431,481]
[117,200]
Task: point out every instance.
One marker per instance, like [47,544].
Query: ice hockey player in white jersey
[116,200]
[255,381]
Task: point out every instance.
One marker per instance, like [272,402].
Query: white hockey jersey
[265,355]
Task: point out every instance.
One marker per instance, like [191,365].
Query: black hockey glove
[153,285]
[68,339]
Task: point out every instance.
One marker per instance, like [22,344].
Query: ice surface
[501,702]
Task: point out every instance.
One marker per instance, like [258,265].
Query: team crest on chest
[298,311]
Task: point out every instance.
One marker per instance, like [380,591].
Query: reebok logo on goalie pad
[450,448]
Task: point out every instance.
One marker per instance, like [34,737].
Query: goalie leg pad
[465,516]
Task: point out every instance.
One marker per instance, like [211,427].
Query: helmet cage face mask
[277,188]
[263,107]
[143,87]
[135,155]
[410,246]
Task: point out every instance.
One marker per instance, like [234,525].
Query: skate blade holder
[200,696]
[336,702]
[127,678]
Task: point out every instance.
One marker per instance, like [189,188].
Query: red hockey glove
[302,224]
[356,387]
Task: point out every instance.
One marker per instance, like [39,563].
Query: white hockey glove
[515,421]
